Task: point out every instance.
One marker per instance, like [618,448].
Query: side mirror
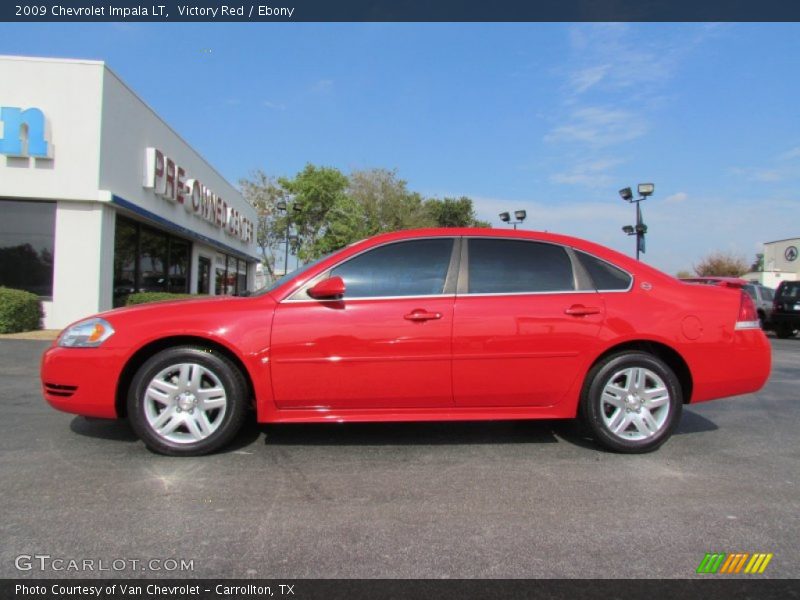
[332,288]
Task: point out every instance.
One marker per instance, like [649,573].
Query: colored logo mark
[24,133]
[737,562]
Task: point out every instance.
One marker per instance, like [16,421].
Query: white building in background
[99,197]
[781,263]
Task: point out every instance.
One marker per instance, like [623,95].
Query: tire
[187,401]
[784,331]
[618,415]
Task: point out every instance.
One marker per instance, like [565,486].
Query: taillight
[748,316]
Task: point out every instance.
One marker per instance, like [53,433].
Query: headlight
[86,334]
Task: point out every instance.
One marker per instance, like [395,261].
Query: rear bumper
[742,367]
[81,380]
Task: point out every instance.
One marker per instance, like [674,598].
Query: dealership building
[100,198]
[781,262]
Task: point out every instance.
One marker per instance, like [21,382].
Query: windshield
[290,275]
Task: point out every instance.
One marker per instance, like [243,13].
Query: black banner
[732,588]
[401,10]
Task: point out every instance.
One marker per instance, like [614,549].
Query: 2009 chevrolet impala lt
[438,324]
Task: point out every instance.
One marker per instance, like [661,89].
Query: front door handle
[579,310]
[422,315]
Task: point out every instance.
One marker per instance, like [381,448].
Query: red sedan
[439,324]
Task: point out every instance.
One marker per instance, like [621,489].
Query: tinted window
[27,238]
[768,293]
[604,275]
[789,290]
[508,266]
[416,268]
[751,291]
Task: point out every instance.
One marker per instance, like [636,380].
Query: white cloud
[592,174]
[783,167]
[599,126]
[584,79]
[676,198]
[322,86]
[274,105]
[615,77]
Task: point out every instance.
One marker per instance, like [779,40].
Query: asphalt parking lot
[487,500]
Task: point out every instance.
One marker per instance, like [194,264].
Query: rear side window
[751,291]
[515,266]
[767,294]
[414,268]
[606,277]
[789,290]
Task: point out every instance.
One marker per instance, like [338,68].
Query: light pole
[284,208]
[640,229]
[519,215]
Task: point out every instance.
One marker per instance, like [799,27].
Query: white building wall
[84,262]
[129,127]
[99,131]
[69,94]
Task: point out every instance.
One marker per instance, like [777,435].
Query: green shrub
[19,311]
[145,297]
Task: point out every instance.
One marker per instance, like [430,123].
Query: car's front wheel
[187,401]
[631,402]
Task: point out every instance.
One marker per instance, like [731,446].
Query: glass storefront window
[148,260]
[241,277]
[179,259]
[27,239]
[126,251]
[152,261]
[231,275]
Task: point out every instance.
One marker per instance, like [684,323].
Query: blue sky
[552,118]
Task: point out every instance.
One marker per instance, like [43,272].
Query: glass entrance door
[203,275]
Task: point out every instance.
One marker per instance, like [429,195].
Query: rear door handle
[579,310]
[422,315]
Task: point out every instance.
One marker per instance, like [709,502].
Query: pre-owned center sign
[169,181]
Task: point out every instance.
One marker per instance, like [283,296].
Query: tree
[758,263]
[263,193]
[386,202]
[454,212]
[721,263]
[684,274]
[314,192]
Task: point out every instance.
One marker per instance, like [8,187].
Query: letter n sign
[24,133]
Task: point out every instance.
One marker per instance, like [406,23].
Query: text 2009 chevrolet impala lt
[440,324]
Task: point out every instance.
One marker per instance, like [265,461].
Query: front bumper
[82,381]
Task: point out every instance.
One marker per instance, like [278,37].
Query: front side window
[606,277]
[413,268]
[516,266]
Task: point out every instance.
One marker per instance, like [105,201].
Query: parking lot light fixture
[519,215]
[640,229]
[646,189]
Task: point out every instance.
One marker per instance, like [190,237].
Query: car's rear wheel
[784,331]
[631,402]
[187,401]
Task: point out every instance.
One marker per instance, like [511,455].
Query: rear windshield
[789,290]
